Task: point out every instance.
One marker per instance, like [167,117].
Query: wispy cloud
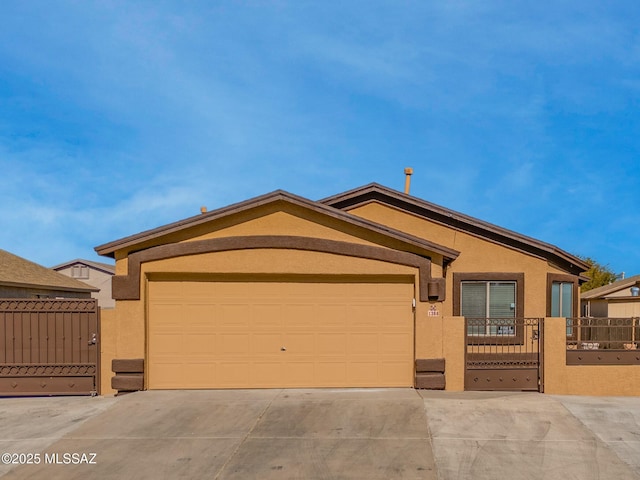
[119,117]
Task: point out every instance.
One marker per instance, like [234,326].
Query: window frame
[517,278]
[80,271]
[575,292]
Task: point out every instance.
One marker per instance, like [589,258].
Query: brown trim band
[603,357]
[127,287]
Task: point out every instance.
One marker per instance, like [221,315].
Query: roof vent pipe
[635,291]
[407,181]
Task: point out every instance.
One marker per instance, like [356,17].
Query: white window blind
[474,299]
[502,300]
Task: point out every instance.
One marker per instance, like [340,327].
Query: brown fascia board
[130,242]
[459,221]
[611,288]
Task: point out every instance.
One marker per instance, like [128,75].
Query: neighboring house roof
[104,267]
[375,192]
[156,235]
[606,290]
[16,271]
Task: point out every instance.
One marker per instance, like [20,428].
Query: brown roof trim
[127,287]
[459,221]
[130,242]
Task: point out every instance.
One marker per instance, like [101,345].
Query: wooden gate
[503,354]
[49,347]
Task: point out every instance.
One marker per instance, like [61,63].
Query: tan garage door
[269,334]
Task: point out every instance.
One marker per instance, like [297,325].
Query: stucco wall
[477,255]
[126,330]
[108,343]
[622,308]
[563,379]
[443,337]
[439,336]
[98,279]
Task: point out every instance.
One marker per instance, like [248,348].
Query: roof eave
[374,191]
[109,249]
[49,287]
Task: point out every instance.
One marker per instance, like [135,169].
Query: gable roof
[16,271]
[158,235]
[103,267]
[604,291]
[459,221]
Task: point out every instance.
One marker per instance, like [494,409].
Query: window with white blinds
[489,300]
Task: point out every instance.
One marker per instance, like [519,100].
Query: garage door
[270,335]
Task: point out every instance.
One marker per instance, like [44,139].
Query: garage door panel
[197,371]
[232,374]
[300,316]
[331,343]
[231,335]
[167,373]
[394,371]
[396,343]
[168,314]
[331,316]
[266,373]
[299,373]
[364,343]
[363,316]
[264,343]
[232,344]
[299,343]
[167,343]
[233,316]
[390,316]
[363,372]
[265,316]
[200,343]
[331,373]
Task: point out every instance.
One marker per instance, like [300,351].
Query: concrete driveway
[323,434]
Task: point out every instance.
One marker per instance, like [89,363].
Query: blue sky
[116,117]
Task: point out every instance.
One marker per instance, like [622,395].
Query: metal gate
[503,354]
[49,347]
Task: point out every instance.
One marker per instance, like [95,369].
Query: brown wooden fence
[49,347]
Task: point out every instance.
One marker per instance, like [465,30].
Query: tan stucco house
[96,274]
[362,289]
[620,299]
